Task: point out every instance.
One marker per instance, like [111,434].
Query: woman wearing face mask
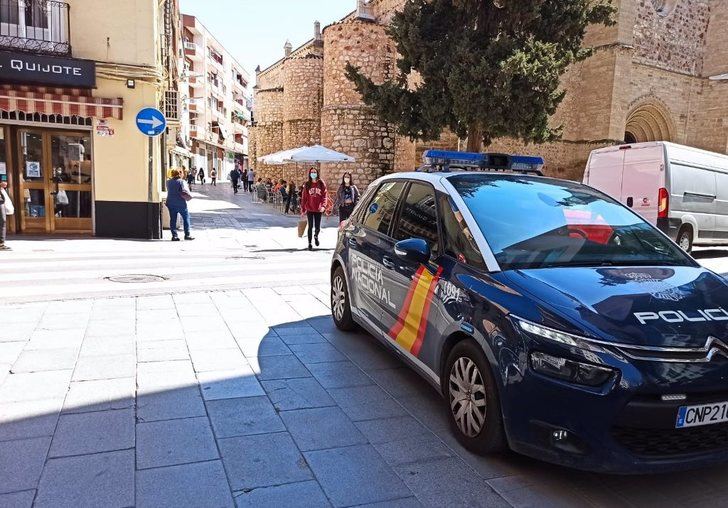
[313,203]
[346,197]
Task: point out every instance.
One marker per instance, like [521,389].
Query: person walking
[201,175]
[177,196]
[251,179]
[346,197]
[313,203]
[244,178]
[6,208]
[213,177]
[292,199]
[235,179]
[191,177]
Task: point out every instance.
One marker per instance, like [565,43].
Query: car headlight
[570,370]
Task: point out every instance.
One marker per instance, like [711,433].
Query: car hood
[649,306]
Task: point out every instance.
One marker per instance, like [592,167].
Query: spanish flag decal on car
[409,330]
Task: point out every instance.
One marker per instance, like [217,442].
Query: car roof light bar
[448,160]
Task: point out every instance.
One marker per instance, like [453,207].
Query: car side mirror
[413,250]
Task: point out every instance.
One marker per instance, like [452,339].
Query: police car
[553,320]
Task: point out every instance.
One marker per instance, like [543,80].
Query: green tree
[482,68]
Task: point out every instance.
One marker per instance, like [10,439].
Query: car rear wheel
[340,306]
[473,404]
[685,238]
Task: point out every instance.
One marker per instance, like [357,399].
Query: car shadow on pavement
[258,415]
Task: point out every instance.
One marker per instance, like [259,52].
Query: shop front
[47,115]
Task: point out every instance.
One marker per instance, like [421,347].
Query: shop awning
[31,102]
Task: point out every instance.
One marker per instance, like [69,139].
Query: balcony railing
[37,26]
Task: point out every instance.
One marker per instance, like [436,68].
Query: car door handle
[630,202]
[387,262]
[352,242]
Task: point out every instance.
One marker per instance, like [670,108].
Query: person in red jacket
[313,203]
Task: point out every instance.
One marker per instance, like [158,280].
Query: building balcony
[35,26]
[196,81]
[193,51]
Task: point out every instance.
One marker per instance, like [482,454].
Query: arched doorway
[649,121]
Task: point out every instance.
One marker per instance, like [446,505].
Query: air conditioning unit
[171,105]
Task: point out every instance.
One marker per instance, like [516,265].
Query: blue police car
[553,320]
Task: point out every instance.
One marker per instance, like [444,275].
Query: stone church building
[660,73]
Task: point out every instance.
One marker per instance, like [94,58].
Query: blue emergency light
[447,160]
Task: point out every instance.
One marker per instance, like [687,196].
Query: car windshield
[532,222]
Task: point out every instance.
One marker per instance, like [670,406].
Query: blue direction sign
[151,122]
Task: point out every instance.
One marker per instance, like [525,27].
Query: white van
[681,190]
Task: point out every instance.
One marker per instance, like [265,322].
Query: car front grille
[655,443]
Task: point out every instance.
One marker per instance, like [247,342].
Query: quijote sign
[46,70]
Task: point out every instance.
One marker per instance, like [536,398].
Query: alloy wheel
[684,242]
[338,298]
[467,396]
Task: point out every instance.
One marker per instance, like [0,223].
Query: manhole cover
[135,279]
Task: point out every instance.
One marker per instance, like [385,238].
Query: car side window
[381,208]
[459,241]
[418,218]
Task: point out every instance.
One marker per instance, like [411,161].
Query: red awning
[60,104]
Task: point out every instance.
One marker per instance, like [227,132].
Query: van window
[381,209]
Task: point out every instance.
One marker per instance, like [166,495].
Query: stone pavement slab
[101,479]
[171,442]
[100,431]
[321,428]
[168,403]
[100,395]
[90,368]
[30,418]
[291,495]
[366,403]
[17,499]
[300,393]
[278,367]
[21,463]
[263,460]
[243,416]
[35,386]
[45,359]
[355,475]
[199,484]
[229,384]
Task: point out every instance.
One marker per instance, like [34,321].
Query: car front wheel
[340,305]
[473,403]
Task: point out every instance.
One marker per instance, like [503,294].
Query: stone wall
[672,37]
[347,124]
[303,96]
[716,51]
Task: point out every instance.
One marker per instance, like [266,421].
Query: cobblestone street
[227,384]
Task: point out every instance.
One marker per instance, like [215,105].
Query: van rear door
[604,172]
[643,175]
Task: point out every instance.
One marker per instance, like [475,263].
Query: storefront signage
[103,129]
[46,70]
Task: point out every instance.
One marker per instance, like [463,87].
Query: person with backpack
[191,177]
[213,177]
[177,196]
[313,204]
[346,197]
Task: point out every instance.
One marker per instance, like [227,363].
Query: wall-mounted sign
[46,70]
[103,129]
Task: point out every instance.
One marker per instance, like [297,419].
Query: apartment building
[73,75]
[216,101]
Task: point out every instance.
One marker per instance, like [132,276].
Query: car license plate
[704,414]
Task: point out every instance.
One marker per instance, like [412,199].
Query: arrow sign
[151,122]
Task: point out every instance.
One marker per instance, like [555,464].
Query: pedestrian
[177,196]
[235,179]
[292,200]
[213,177]
[313,204]
[201,175]
[251,179]
[6,208]
[191,177]
[346,197]
[244,178]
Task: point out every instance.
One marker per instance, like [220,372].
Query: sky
[254,31]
